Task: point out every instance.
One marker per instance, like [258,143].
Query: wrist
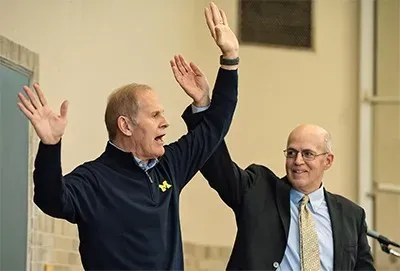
[202,103]
[50,141]
[230,60]
[231,54]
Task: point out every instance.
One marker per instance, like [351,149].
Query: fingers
[209,20]
[214,18]
[64,109]
[195,69]
[184,64]
[175,70]
[180,66]
[224,19]
[33,103]
[32,97]
[215,14]
[39,92]
[26,112]
[26,103]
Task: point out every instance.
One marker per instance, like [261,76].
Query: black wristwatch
[228,62]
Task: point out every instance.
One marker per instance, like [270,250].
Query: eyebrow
[293,149]
[157,112]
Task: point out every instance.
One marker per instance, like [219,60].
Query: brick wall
[205,257]
[52,243]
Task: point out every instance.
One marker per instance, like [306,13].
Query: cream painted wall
[387,128]
[87,48]
[279,89]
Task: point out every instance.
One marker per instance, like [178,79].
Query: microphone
[382,239]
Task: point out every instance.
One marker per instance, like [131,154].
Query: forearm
[194,149]
[49,190]
[200,109]
[226,88]
[220,171]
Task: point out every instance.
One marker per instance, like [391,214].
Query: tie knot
[304,200]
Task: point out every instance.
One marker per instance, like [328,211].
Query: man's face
[306,173]
[150,128]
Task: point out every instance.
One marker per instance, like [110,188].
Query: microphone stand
[385,248]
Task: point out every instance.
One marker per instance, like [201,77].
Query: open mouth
[159,139]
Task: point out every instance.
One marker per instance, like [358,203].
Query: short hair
[122,102]
[328,142]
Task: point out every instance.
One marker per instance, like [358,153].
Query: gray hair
[328,142]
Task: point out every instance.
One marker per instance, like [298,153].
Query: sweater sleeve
[55,194]
[187,155]
[229,180]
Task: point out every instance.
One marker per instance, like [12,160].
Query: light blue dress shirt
[322,222]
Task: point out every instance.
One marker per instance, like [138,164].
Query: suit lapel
[283,203]
[336,215]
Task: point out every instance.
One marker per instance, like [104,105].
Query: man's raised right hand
[48,126]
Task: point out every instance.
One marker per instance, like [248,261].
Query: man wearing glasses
[289,223]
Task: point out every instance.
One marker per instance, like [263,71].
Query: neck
[308,190]
[126,146]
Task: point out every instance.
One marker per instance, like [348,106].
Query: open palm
[48,125]
[192,80]
[220,31]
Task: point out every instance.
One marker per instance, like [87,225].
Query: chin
[159,152]
[297,182]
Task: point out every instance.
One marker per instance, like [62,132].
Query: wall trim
[21,59]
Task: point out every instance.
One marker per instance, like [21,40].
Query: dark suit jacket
[261,203]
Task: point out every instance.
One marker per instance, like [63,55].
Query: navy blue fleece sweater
[128,219]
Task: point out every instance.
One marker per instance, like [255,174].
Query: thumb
[195,69]
[64,109]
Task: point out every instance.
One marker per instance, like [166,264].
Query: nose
[164,123]
[299,159]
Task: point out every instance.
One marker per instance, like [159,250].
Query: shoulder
[89,168]
[260,169]
[263,173]
[350,206]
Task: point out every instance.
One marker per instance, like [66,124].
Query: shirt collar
[316,198]
[151,163]
[145,166]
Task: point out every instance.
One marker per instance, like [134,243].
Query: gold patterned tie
[309,250]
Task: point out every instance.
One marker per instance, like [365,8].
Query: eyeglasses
[307,155]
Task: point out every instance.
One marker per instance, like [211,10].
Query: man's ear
[124,125]
[329,160]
